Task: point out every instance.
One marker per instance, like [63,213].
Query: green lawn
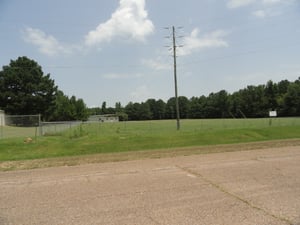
[134,136]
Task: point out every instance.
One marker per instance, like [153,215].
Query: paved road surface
[249,187]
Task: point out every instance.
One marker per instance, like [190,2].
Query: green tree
[118,107]
[217,105]
[81,110]
[184,107]
[160,109]
[195,108]
[64,110]
[138,111]
[94,111]
[68,109]
[251,102]
[270,96]
[282,87]
[120,112]
[291,105]
[131,109]
[152,105]
[103,108]
[144,111]
[157,108]
[25,89]
[171,108]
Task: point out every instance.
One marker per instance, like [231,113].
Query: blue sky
[113,50]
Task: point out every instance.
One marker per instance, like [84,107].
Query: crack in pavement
[193,173]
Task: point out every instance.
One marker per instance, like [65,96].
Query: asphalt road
[248,187]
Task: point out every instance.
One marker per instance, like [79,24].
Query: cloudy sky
[117,50]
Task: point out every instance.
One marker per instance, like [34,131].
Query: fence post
[1,127]
[40,126]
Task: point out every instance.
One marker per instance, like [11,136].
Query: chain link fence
[19,126]
[54,128]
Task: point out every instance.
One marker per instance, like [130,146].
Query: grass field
[96,138]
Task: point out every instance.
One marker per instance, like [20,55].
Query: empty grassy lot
[86,139]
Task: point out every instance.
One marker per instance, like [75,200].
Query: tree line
[250,102]
[26,90]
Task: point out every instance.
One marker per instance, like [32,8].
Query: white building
[104,118]
[2,118]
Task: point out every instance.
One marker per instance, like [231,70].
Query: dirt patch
[136,155]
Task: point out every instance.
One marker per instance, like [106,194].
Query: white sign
[273,113]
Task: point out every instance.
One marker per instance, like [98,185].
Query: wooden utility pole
[175,79]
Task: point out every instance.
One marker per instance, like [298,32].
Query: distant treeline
[250,102]
[26,90]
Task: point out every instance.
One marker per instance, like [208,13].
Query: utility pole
[175,79]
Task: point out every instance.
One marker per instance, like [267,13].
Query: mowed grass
[98,138]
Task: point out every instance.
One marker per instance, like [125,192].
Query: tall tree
[291,105]
[271,93]
[25,89]
[144,111]
[68,109]
[160,109]
[64,110]
[118,107]
[152,105]
[131,109]
[184,107]
[157,108]
[103,108]
[252,102]
[81,112]
[171,108]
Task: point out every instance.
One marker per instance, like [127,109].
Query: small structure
[2,118]
[112,118]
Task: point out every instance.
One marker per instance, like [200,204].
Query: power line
[175,79]
[174,47]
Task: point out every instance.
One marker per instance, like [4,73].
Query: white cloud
[140,94]
[264,8]
[278,2]
[46,44]
[266,13]
[232,4]
[129,20]
[259,13]
[113,76]
[272,1]
[194,43]
[156,64]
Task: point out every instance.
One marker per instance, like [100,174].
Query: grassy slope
[136,136]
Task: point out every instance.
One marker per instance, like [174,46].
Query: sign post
[271,115]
